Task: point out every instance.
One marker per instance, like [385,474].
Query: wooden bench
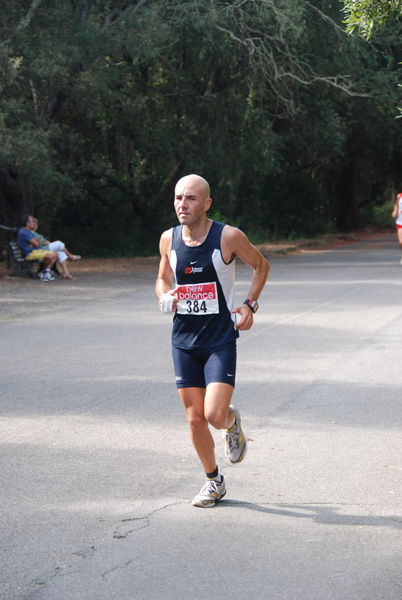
[18,264]
[16,261]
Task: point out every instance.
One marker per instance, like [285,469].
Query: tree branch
[25,21]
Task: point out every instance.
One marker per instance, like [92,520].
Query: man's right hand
[168,302]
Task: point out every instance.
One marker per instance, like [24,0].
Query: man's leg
[193,400]
[217,405]
[221,415]
[50,259]
[204,407]
[213,490]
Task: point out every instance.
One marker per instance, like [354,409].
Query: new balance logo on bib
[198,299]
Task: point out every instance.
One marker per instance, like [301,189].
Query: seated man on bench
[59,247]
[29,245]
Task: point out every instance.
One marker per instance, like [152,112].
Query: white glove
[167,303]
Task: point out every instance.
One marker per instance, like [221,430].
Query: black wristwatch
[252,304]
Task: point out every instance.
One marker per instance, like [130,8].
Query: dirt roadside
[149,264]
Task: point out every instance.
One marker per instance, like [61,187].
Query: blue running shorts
[198,367]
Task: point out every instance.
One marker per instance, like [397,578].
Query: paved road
[97,470]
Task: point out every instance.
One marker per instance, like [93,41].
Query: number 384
[194,306]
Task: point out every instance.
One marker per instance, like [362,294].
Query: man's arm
[165,277]
[27,236]
[235,242]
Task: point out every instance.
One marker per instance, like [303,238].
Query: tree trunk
[17,199]
[347,194]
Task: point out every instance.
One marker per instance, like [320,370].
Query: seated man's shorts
[198,368]
[37,255]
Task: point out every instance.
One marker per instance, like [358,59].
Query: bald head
[192,201]
[195,181]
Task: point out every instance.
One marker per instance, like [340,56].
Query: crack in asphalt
[120,535]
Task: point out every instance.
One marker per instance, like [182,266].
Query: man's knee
[217,416]
[195,419]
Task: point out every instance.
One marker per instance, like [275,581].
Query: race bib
[197,299]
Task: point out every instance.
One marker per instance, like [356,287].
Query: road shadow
[324,515]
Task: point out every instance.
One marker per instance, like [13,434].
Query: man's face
[190,201]
[30,224]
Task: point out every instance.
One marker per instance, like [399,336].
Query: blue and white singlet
[206,292]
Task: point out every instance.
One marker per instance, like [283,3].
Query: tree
[36,73]
[365,16]
[106,104]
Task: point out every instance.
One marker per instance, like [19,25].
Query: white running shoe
[235,440]
[212,491]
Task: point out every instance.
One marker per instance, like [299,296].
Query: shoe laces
[233,436]
[209,486]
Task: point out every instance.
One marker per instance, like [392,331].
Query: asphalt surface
[97,470]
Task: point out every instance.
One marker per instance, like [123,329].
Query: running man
[196,282]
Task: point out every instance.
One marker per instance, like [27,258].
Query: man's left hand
[246,317]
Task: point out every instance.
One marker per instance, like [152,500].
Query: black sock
[213,474]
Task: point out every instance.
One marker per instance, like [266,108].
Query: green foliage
[290,205]
[378,216]
[365,16]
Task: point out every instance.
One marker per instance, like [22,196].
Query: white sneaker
[42,276]
[49,275]
[212,491]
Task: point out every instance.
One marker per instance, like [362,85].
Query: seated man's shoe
[49,275]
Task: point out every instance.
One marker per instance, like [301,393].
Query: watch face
[253,305]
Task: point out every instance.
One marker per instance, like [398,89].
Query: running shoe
[212,491]
[235,440]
